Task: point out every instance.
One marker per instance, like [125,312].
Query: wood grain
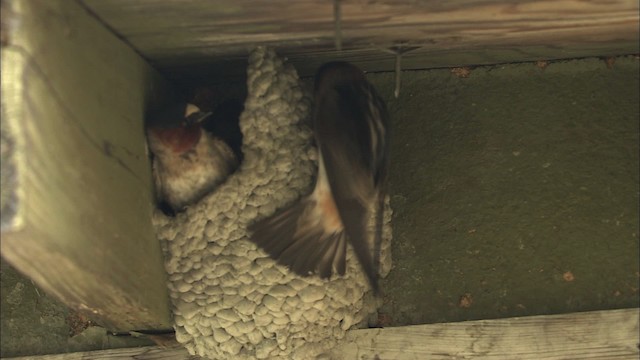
[141,353]
[184,38]
[74,99]
[603,335]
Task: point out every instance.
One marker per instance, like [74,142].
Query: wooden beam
[189,39]
[233,69]
[73,103]
[140,353]
[608,334]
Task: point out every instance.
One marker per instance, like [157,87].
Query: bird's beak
[197,117]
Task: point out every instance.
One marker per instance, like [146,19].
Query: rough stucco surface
[515,191]
[230,299]
[34,323]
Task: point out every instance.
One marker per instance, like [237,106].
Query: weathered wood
[609,334]
[73,99]
[202,39]
[223,70]
[140,353]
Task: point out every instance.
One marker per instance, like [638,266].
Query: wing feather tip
[307,252]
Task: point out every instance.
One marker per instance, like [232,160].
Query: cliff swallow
[188,162]
[351,129]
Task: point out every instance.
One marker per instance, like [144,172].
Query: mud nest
[229,298]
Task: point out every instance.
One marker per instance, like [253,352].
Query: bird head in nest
[177,138]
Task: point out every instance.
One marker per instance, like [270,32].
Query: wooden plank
[184,37]
[611,334]
[223,70]
[73,103]
[608,334]
[140,353]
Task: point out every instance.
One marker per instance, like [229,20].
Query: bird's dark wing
[298,238]
[351,125]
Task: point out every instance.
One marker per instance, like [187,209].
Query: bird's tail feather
[379,217]
[355,226]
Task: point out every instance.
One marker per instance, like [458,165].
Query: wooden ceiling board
[180,37]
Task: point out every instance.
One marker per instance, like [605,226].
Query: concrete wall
[515,191]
